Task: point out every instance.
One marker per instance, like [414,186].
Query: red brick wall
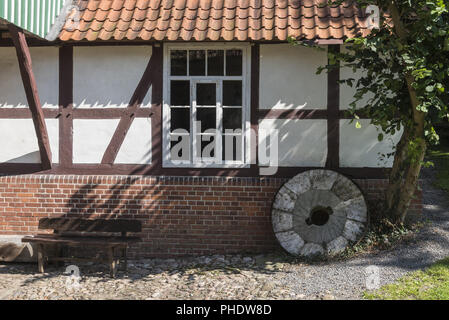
[180,215]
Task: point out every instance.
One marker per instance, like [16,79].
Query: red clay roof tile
[199,20]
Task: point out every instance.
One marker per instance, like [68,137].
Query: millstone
[318,212]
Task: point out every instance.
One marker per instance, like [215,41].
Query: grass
[429,284]
[440,157]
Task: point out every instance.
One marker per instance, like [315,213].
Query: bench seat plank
[88,240]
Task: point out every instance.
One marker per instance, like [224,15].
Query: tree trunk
[411,148]
[404,178]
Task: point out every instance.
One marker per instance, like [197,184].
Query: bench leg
[40,258]
[111,260]
[125,258]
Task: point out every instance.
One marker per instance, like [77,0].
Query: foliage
[430,284]
[386,58]
[404,67]
[382,235]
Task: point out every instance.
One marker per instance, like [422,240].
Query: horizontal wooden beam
[154,170]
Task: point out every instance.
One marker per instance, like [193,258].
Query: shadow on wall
[32,157]
[301,143]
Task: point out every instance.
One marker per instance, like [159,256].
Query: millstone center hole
[319,216]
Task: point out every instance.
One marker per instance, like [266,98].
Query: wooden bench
[97,233]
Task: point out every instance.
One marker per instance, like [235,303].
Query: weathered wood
[129,114]
[29,84]
[76,241]
[66,106]
[333,110]
[91,225]
[40,258]
[112,263]
[72,232]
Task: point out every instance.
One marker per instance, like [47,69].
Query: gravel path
[347,279]
[239,277]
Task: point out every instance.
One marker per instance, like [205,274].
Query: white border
[246,101]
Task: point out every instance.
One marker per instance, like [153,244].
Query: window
[206,106]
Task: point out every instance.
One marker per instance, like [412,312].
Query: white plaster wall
[46,70]
[136,148]
[18,142]
[361,147]
[288,78]
[91,138]
[347,92]
[107,76]
[301,142]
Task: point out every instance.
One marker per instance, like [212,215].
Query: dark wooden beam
[130,112]
[156,107]
[29,84]
[254,116]
[333,109]
[66,106]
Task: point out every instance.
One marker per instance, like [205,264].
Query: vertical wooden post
[29,84]
[40,258]
[156,106]
[66,106]
[255,84]
[333,109]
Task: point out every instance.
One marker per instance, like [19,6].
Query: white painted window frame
[246,104]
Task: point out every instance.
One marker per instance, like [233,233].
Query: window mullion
[193,139]
[219,115]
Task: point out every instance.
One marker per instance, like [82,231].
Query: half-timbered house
[100,104]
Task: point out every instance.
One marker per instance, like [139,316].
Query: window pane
[206,94]
[179,119]
[178,63]
[180,93]
[197,62]
[232,93]
[208,118]
[232,118]
[233,62]
[205,146]
[215,62]
[179,148]
[232,148]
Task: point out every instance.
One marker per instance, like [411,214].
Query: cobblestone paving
[211,277]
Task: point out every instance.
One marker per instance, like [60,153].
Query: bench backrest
[90,225]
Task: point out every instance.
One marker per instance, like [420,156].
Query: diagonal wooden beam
[129,114]
[29,84]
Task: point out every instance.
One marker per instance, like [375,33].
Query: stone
[268,286]
[290,241]
[282,221]
[337,245]
[299,184]
[322,179]
[284,200]
[311,250]
[12,249]
[325,203]
[352,230]
[357,210]
[345,189]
